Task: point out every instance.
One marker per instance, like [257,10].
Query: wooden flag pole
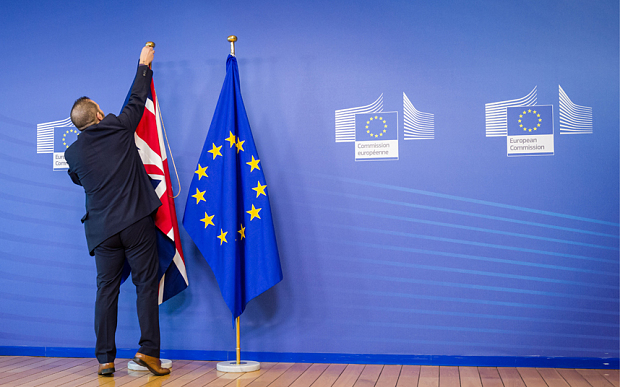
[238,365]
[165,363]
[152,44]
[232,39]
[238,342]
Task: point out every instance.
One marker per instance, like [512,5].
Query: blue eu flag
[227,212]
[530,120]
[376,126]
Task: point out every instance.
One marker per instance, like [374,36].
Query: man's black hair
[84,113]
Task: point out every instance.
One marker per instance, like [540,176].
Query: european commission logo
[376,132]
[376,136]
[529,128]
[55,137]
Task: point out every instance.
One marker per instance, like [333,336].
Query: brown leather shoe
[106,369]
[152,363]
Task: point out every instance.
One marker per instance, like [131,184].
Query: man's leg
[109,258]
[140,243]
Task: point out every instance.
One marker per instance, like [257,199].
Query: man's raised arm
[132,112]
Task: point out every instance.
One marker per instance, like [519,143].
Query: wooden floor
[41,371]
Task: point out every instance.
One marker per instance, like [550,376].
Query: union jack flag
[150,142]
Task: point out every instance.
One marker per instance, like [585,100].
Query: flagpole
[152,44]
[238,342]
[238,365]
[232,39]
[165,363]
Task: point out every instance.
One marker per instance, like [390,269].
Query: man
[120,205]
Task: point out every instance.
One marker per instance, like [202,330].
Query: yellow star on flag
[260,189]
[208,220]
[222,237]
[231,139]
[201,171]
[242,232]
[200,195]
[239,145]
[254,212]
[215,151]
[253,164]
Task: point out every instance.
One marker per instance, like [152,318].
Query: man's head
[85,112]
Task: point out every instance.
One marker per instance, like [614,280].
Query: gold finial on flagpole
[232,39]
[152,45]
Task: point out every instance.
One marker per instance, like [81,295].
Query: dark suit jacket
[105,161]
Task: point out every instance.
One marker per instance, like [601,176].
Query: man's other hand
[146,56]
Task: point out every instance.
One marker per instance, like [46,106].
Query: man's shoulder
[109,122]
[110,117]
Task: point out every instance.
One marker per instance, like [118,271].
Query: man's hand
[146,56]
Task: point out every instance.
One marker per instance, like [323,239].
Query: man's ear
[99,116]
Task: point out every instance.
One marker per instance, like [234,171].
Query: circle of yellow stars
[202,172]
[382,121]
[64,136]
[525,113]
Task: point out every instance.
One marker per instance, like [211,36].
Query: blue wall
[454,249]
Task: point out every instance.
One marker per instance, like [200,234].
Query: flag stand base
[133,366]
[243,366]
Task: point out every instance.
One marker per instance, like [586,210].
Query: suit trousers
[138,244]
